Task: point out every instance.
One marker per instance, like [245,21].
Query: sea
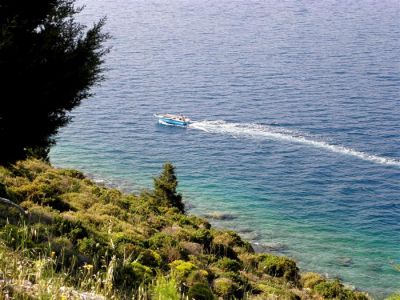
[295,140]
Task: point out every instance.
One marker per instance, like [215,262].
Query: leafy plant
[165,288]
[228,265]
[278,266]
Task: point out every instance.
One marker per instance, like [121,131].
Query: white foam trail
[261,131]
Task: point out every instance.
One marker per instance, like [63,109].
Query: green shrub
[149,258]
[224,287]
[240,283]
[44,190]
[160,240]
[189,221]
[74,230]
[30,168]
[310,280]
[165,288]
[142,272]
[200,291]
[330,289]
[182,268]
[120,239]
[393,297]
[228,238]
[272,292]
[249,260]
[232,239]
[132,275]
[110,196]
[201,236]
[197,276]
[183,219]
[335,290]
[235,276]
[72,173]
[57,203]
[221,250]
[279,266]
[228,265]
[130,250]
[88,246]
[61,243]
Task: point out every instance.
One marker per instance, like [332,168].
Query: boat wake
[273,133]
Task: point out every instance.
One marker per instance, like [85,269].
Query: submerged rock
[270,247]
[244,230]
[344,261]
[189,205]
[219,216]
[250,235]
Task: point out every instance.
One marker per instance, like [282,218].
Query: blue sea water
[297,122]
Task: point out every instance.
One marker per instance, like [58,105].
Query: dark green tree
[48,62]
[165,188]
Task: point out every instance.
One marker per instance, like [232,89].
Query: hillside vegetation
[81,240]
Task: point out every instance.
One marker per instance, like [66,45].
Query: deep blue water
[297,122]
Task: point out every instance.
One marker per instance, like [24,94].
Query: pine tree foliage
[165,188]
[48,62]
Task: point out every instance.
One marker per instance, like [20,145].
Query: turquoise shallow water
[296,132]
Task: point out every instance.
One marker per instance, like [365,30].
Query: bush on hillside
[335,290]
[278,266]
[310,280]
[272,292]
[166,288]
[182,269]
[228,265]
[224,287]
[131,275]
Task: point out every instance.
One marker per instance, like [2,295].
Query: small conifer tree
[165,188]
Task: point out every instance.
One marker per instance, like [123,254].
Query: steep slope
[81,240]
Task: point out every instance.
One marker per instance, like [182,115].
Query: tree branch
[9,202]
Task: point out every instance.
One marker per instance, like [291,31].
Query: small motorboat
[176,120]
